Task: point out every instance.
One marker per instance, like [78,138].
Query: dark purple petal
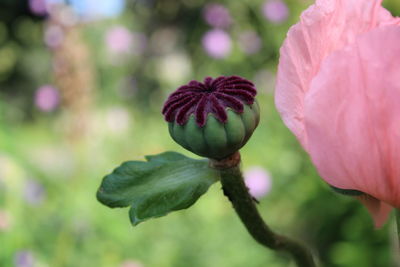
[212,96]
[170,110]
[218,109]
[208,82]
[230,101]
[242,86]
[183,113]
[173,100]
[245,95]
[218,80]
[233,80]
[200,112]
[186,88]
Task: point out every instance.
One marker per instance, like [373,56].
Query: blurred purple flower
[275,11]
[38,7]
[119,40]
[258,180]
[217,43]
[47,98]
[34,192]
[217,15]
[24,258]
[250,42]
[53,36]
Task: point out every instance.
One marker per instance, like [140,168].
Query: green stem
[397,214]
[235,189]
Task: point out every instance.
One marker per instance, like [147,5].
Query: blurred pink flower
[47,98]
[4,220]
[338,91]
[275,11]
[38,7]
[217,43]
[119,40]
[131,263]
[250,42]
[258,180]
[53,36]
[216,15]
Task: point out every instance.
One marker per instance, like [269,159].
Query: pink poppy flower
[338,91]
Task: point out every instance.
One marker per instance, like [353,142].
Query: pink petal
[379,210]
[324,27]
[352,116]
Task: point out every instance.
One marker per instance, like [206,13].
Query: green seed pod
[213,119]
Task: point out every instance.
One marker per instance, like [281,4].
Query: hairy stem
[235,189]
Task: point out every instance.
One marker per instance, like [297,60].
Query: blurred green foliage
[66,226]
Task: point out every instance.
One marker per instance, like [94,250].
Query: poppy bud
[215,118]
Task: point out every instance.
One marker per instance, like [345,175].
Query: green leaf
[166,157]
[166,182]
